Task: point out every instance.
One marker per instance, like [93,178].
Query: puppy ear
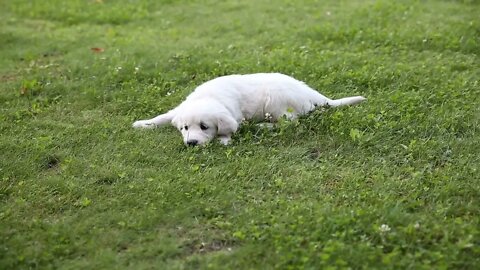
[226,125]
[173,121]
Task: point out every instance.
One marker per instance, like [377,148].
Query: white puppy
[217,107]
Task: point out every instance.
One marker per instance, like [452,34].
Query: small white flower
[118,69]
[268,116]
[137,69]
[417,225]
[169,93]
[384,228]
[328,13]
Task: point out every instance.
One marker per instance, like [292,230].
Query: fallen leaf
[97,49]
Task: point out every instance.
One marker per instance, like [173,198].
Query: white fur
[221,104]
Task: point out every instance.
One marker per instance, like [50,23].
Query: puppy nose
[192,142]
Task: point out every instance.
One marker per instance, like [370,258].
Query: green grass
[81,189]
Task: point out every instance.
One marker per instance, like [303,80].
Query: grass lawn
[390,184]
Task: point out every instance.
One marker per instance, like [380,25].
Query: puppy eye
[185,127]
[203,126]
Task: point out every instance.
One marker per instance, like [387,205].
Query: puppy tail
[345,101]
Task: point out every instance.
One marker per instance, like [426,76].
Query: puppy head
[200,124]
[195,130]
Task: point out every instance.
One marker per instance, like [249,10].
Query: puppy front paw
[224,140]
[143,124]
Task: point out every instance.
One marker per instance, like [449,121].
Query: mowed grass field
[390,184]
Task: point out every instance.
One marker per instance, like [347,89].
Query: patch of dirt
[200,247]
[52,162]
[8,77]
